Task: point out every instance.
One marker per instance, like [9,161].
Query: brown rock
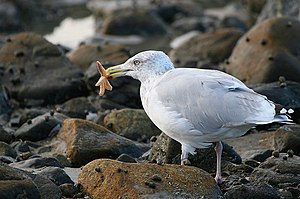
[131,123]
[35,69]
[86,141]
[89,53]
[287,137]
[267,52]
[118,180]
[212,47]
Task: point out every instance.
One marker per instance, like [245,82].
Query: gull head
[143,66]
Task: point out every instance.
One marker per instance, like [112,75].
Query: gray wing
[211,99]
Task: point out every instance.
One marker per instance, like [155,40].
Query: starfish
[103,81]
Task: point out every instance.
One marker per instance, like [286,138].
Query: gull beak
[116,71]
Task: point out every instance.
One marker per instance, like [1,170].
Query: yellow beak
[116,71]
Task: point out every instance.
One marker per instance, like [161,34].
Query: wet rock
[258,155]
[36,58]
[87,54]
[10,173]
[40,127]
[272,51]
[5,136]
[134,22]
[46,187]
[118,179]
[257,191]
[284,8]
[87,141]
[77,107]
[19,189]
[57,175]
[6,159]
[288,138]
[206,47]
[166,150]
[126,90]
[37,162]
[131,123]
[7,150]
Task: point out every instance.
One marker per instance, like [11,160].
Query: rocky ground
[59,139]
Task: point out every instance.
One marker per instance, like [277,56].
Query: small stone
[290,153]
[156,178]
[271,58]
[244,181]
[289,24]
[8,39]
[247,39]
[151,184]
[285,157]
[153,139]
[47,118]
[263,42]
[52,112]
[98,169]
[275,154]
[19,53]
[29,122]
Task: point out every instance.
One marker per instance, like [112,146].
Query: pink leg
[219,148]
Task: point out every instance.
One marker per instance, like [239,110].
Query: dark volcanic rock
[131,123]
[35,69]
[40,127]
[212,47]
[134,22]
[55,174]
[288,137]
[87,141]
[126,180]
[273,52]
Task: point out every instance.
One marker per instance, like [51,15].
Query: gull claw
[103,81]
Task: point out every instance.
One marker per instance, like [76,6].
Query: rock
[118,180]
[258,155]
[165,150]
[26,57]
[87,141]
[5,136]
[68,190]
[10,173]
[285,93]
[207,47]
[19,189]
[134,22]
[131,123]
[288,137]
[257,191]
[187,24]
[40,127]
[125,93]
[57,175]
[37,162]
[77,107]
[10,19]
[46,187]
[282,8]
[272,52]
[4,99]
[126,158]
[87,54]
[7,150]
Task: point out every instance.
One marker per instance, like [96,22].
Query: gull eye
[136,62]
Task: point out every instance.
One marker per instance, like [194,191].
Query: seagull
[196,107]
